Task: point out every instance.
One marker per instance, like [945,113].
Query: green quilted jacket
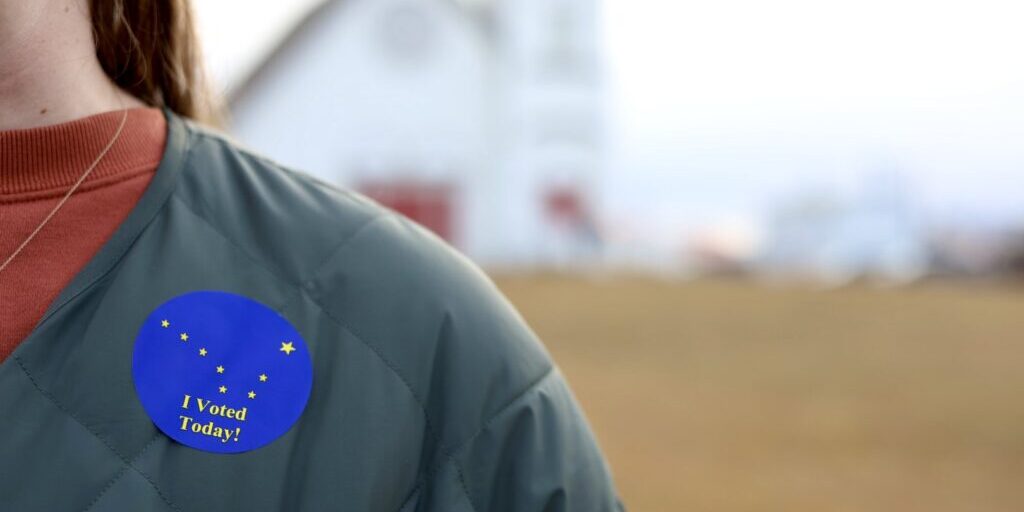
[429,391]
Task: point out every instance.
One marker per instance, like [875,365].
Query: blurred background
[776,247]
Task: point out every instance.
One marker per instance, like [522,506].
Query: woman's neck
[49,72]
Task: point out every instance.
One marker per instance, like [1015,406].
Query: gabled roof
[478,10]
[280,53]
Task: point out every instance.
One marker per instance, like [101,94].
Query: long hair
[150,49]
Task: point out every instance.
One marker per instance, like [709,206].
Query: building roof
[480,11]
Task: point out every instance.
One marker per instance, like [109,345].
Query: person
[149,260]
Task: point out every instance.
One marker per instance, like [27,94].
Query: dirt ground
[736,396]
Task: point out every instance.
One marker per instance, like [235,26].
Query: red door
[429,204]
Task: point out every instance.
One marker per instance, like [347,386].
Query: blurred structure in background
[480,120]
[670,139]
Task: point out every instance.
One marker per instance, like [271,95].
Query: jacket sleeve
[536,454]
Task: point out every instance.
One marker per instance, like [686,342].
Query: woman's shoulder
[284,218]
[303,228]
[422,306]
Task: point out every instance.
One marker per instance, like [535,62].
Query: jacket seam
[300,287]
[432,431]
[226,141]
[416,490]
[125,460]
[413,494]
[551,371]
[338,248]
[486,424]
[117,477]
[276,272]
[272,270]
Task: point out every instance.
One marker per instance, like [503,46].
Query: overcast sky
[721,109]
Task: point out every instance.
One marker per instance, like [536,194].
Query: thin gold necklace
[117,134]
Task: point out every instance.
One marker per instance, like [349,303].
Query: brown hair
[150,49]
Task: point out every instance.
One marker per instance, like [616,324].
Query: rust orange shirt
[37,167]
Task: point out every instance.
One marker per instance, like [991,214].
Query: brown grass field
[735,396]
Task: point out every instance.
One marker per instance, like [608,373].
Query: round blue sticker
[221,372]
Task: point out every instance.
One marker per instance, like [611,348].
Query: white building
[482,120]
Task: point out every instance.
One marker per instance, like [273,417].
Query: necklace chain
[88,171]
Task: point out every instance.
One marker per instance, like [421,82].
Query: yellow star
[263,377]
[287,348]
[164,323]
[184,337]
[223,389]
[252,394]
[202,351]
[220,369]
